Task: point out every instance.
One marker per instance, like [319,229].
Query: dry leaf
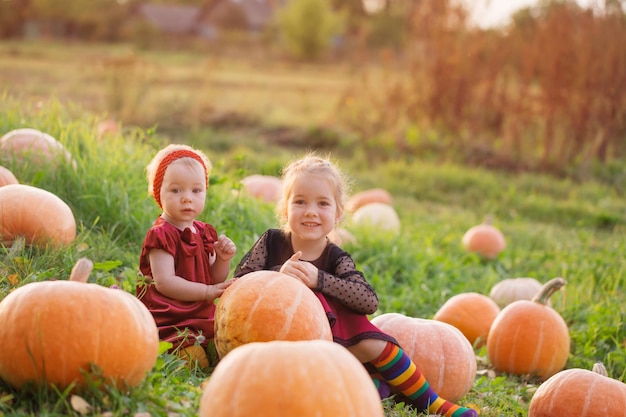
[80,405]
[13,279]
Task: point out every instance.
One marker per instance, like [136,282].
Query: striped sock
[399,370]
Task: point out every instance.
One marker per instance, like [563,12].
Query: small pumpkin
[264,187]
[7,177]
[35,146]
[443,354]
[373,195]
[268,305]
[38,215]
[380,216]
[513,289]
[484,239]
[472,313]
[312,378]
[529,337]
[579,393]
[53,331]
[107,127]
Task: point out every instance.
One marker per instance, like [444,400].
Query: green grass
[554,227]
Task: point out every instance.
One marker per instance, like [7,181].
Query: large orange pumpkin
[264,187]
[579,393]
[267,305]
[472,313]
[35,214]
[513,289]
[373,195]
[313,378]
[484,239]
[53,331]
[441,352]
[529,337]
[35,146]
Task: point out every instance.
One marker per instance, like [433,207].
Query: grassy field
[554,227]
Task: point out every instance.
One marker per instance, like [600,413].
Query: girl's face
[311,208]
[183,192]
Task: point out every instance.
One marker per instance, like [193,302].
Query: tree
[308,27]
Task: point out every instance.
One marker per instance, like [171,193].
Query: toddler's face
[183,192]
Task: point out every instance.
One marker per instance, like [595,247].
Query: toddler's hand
[225,248]
[216,290]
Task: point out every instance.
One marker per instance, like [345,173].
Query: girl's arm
[173,286]
[348,286]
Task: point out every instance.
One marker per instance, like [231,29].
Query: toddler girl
[183,261]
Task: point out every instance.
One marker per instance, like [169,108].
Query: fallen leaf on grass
[79,405]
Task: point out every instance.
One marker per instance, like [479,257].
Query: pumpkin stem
[599,368]
[548,289]
[488,219]
[81,270]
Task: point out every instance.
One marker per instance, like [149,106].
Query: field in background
[253,116]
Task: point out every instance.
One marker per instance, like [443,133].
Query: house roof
[175,19]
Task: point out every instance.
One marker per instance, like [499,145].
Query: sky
[491,13]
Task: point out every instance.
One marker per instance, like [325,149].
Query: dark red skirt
[347,326]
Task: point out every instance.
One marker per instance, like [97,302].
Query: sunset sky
[489,13]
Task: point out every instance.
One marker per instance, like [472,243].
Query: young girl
[312,203]
[183,261]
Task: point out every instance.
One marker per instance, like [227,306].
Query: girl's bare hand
[303,271]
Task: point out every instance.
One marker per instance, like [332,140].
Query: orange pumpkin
[484,239]
[267,305]
[579,393]
[529,337]
[53,331]
[373,195]
[513,289]
[380,216]
[36,214]
[265,187]
[35,146]
[472,313]
[313,378]
[7,177]
[441,352]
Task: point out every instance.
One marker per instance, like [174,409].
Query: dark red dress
[179,322]
[342,289]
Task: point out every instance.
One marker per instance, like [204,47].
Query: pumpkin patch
[444,355]
[267,305]
[313,378]
[54,331]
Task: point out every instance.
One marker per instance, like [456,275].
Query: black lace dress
[343,291]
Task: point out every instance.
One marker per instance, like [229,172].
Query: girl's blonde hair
[312,164]
[152,169]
